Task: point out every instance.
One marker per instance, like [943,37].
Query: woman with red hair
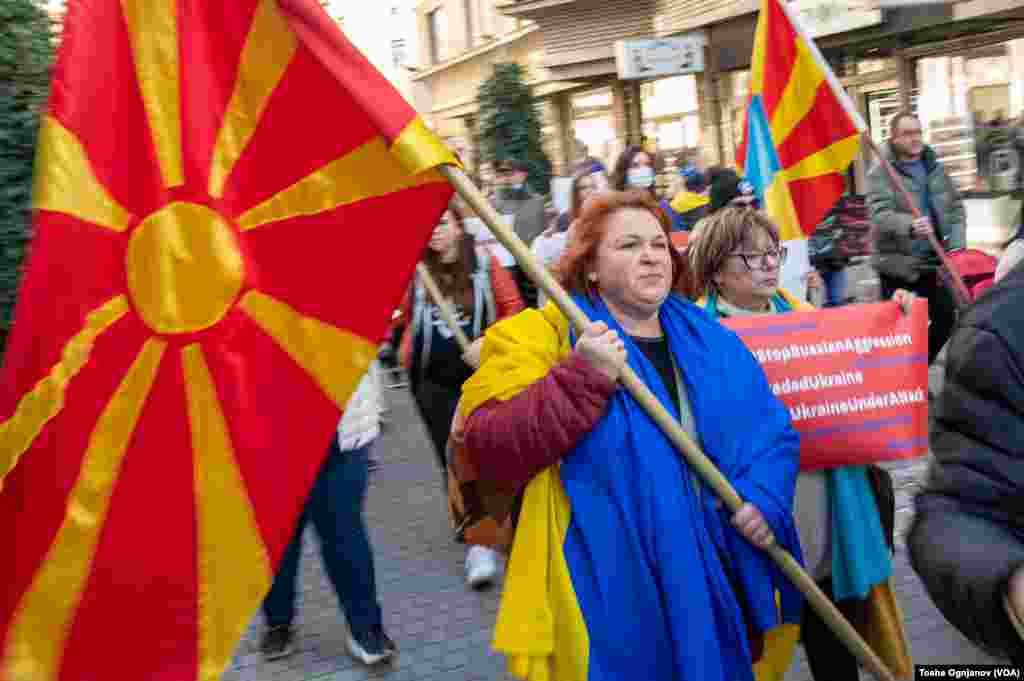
[624,565]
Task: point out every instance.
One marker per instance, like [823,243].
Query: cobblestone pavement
[443,629]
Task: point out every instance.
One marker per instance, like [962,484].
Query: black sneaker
[277,642]
[373,647]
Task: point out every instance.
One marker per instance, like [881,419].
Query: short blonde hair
[718,235]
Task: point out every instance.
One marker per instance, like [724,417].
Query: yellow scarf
[686,201]
[540,627]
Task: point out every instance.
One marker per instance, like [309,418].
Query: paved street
[443,629]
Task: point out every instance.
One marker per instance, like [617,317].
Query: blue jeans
[835,287]
[335,506]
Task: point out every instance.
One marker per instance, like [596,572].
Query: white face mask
[640,178]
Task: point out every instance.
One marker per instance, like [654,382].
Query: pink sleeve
[511,441]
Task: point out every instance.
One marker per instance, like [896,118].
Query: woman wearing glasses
[736,262]
[730,190]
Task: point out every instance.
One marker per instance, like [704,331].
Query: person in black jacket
[967,540]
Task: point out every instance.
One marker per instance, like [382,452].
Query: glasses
[759,261]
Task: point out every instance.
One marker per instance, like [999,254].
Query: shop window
[594,125]
[971,105]
[734,114]
[671,117]
[438,25]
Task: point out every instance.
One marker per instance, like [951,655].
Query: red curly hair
[589,228]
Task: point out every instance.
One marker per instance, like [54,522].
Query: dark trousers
[835,287]
[437,404]
[336,508]
[941,307]
[827,657]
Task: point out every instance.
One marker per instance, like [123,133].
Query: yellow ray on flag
[228,534]
[825,161]
[418,149]
[268,50]
[65,183]
[43,618]
[799,94]
[336,359]
[366,172]
[46,399]
[153,32]
[164,69]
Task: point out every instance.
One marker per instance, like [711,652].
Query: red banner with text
[854,378]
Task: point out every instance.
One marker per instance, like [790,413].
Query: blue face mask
[512,189]
[640,178]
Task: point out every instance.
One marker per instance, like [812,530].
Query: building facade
[959,65]
[459,41]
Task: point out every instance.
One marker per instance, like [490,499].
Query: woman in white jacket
[335,506]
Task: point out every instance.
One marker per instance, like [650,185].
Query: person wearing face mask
[479,292]
[514,197]
[636,169]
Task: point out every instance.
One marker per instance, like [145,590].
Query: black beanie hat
[725,187]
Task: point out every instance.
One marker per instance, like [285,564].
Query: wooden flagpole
[693,455]
[442,305]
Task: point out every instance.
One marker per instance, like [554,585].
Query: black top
[657,351]
[446,366]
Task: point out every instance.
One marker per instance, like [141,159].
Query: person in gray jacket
[513,197]
[904,256]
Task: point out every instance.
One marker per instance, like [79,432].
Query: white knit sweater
[360,424]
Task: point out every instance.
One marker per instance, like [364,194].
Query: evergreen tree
[510,124]
[26,51]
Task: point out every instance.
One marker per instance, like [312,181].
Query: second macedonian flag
[229,204]
[802,130]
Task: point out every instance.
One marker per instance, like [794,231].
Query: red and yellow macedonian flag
[229,204]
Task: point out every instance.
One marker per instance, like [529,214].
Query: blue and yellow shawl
[623,564]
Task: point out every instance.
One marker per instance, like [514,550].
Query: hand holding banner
[855,379]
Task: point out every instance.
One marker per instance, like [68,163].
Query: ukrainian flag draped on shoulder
[206,288]
[801,133]
[622,565]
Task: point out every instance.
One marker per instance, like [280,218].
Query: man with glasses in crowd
[904,256]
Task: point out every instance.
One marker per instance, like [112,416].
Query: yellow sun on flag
[185,268]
